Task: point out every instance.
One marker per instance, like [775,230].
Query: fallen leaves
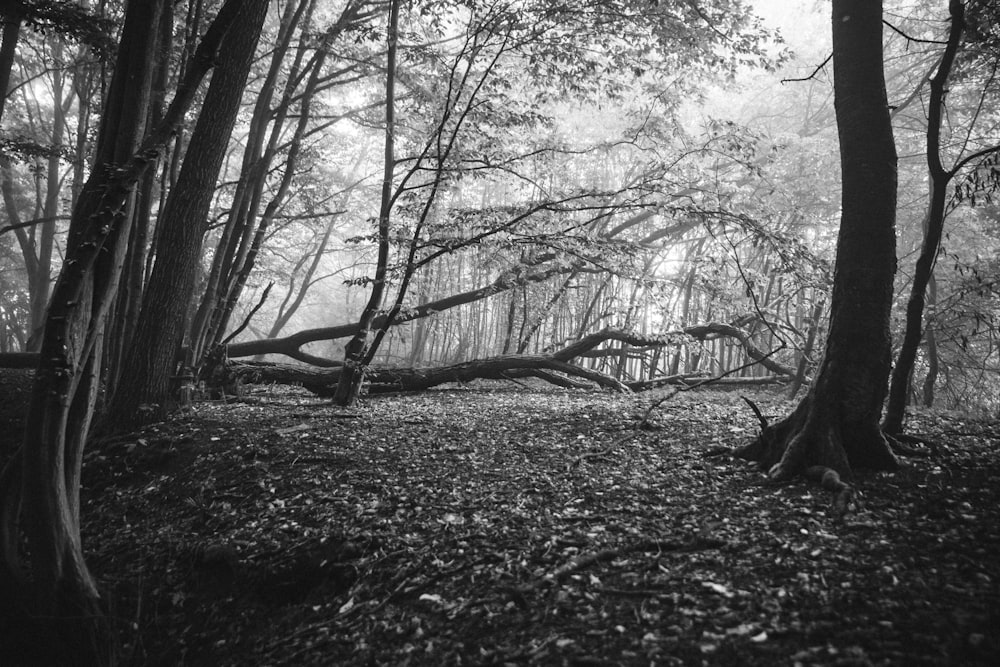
[516,526]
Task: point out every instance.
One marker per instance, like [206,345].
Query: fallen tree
[323,381]
[554,367]
[695,379]
[290,345]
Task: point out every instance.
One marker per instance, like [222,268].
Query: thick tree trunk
[835,428]
[324,382]
[149,361]
[43,568]
[125,316]
[59,593]
[9,36]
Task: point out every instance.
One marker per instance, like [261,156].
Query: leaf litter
[492,524]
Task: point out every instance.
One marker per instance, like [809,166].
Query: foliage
[72,20]
[27,150]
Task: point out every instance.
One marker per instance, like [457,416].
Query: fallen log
[691,379]
[323,381]
[553,367]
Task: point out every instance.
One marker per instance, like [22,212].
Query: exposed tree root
[811,444]
[901,445]
[760,416]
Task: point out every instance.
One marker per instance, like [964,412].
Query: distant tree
[34,146]
[835,427]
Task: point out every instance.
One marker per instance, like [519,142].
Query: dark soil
[499,524]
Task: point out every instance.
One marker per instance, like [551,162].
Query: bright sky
[805,25]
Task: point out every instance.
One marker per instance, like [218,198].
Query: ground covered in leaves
[504,524]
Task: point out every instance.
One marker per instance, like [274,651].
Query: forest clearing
[499,523]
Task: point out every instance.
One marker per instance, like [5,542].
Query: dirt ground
[508,524]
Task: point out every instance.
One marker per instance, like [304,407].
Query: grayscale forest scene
[499,332]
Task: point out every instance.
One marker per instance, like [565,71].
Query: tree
[835,427]
[275,131]
[150,357]
[35,133]
[515,41]
[43,575]
[359,350]
[940,178]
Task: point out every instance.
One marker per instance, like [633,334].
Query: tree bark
[61,593]
[258,155]
[903,370]
[43,573]
[932,349]
[149,363]
[324,382]
[134,270]
[356,352]
[835,427]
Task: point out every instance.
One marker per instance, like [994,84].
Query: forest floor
[506,524]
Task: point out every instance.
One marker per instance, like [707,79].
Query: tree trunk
[9,37]
[258,155]
[901,374]
[932,349]
[835,427]
[144,387]
[60,593]
[323,381]
[357,349]
[129,299]
[807,350]
[43,571]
